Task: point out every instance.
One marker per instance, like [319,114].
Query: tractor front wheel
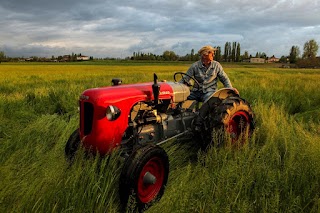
[72,145]
[144,177]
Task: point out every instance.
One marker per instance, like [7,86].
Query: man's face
[207,57]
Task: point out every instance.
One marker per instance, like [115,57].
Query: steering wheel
[182,74]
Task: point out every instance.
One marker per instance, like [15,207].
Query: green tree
[246,55]
[233,51]
[2,56]
[227,51]
[169,56]
[263,55]
[238,53]
[283,59]
[294,54]
[73,57]
[218,56]
[310,49]
[225,56]
[192,55]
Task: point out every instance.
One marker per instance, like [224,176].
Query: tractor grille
[87,117]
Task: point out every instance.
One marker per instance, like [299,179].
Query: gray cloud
[111,28]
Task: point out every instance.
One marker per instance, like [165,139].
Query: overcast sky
[117,28]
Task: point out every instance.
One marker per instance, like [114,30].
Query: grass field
[278,171]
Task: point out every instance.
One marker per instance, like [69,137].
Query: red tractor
[137,118]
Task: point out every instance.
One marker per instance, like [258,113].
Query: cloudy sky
[117,28]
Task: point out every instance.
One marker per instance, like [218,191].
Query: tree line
[65,58]
[232,53]
[168,55]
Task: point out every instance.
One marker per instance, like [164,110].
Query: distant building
[257,60]
[65,58]
[273,59]
[83,58]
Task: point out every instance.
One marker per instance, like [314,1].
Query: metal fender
[224,93]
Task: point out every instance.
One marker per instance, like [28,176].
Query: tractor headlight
[112,113]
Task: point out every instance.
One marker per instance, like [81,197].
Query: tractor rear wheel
[144,177]
[231,119]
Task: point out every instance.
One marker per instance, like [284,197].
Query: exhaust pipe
[155,89]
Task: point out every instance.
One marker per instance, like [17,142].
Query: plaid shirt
[208,78]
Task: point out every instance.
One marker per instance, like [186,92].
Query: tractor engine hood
[177,92]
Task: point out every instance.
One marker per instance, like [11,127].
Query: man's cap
[206,49]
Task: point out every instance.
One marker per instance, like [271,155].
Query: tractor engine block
[150,126]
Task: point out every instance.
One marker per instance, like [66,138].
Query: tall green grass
[277,171]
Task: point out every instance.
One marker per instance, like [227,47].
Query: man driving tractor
[207,72]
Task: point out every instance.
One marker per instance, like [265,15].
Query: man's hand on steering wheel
[187,83]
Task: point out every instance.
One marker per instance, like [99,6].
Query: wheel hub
[149,179]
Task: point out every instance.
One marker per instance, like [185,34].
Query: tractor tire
[232,119]
[143,178]
[72,146]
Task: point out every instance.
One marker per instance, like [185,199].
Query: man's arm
[223,77]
